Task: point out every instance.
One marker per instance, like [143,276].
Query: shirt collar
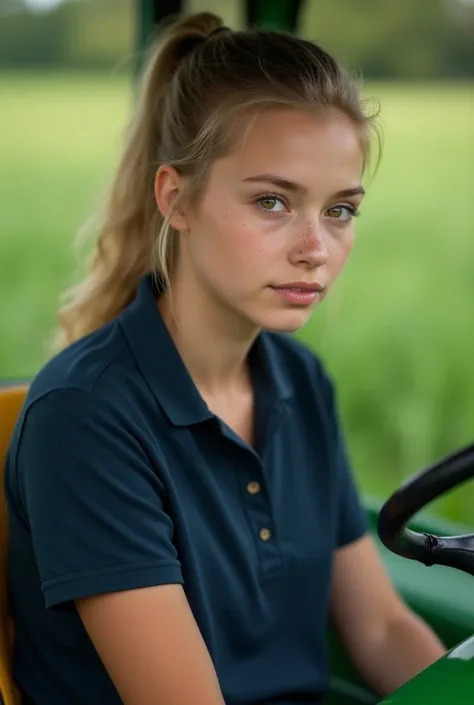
[165,372]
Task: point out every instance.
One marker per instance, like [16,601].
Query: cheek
[238,242]
[251,243]
[340,248]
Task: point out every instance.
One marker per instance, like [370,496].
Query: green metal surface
[450,681]
[273,14]
[151,13]
[268,14]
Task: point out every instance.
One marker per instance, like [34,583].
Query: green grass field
[397,331]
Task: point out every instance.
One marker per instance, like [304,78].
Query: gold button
[253,487]
[265,534]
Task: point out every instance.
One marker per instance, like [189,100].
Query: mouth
[299,293]
[300,286]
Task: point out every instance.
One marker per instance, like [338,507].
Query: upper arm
[363,599]
[151,647]
[93,501]
[364,603]
[103,542]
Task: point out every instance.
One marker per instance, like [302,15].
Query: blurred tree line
[412,39]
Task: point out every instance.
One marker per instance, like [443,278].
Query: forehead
[305,147]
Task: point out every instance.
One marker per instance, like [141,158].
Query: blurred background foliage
[397,331]
[422,39]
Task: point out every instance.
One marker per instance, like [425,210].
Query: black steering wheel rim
[413,496]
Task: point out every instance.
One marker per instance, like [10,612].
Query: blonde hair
[201,79]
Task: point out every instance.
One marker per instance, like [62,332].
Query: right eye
[268,202]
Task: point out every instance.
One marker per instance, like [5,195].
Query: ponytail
[127,231]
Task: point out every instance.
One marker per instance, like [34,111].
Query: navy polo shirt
[120,477]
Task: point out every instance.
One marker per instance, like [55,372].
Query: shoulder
[88,393]
[92,366]
[80,414]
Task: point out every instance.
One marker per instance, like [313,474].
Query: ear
[168,186]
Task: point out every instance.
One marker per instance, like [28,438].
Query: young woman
[183,519]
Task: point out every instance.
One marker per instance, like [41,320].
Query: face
[275,224]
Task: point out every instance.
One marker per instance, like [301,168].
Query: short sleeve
[351,516]
[93,500]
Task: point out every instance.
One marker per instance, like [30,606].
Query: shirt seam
[53,582]
[34,402]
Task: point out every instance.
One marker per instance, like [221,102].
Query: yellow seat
[11,401]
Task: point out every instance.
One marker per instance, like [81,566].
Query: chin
[285,321]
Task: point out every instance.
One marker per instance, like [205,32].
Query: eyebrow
[293,186]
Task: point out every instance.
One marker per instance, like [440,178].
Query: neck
[212,340]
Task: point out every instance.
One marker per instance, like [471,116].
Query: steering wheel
[415,494]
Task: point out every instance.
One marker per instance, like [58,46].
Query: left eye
[342,213]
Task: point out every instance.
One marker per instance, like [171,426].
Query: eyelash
[354,212]
[352,209]
[269,196]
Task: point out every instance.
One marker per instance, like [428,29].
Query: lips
[295,288]
[300,294]
[301,286]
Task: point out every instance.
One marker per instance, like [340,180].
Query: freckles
[307,237]
[309,233]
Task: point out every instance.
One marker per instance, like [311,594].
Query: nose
[311,249]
